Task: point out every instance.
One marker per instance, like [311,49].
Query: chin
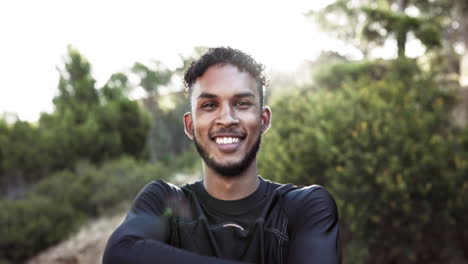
[228,168]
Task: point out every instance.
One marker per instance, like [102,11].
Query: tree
[132,121]
[21,160]
[441,25]
[116,88]
[385,149]
[455,35]
[90,123]
[77,91]
[151,79]
[368,24]
[87,124]
[335,19]
[384,23]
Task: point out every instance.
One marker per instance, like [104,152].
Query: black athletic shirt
[276,224]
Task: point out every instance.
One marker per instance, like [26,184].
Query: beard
[229,170]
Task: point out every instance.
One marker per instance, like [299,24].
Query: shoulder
[303,195]
[293,195]
[160,188]
[310,204]
[155,196]
[295,199]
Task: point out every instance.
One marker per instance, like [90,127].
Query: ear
[266,119]
[188,125]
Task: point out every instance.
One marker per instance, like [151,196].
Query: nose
[227,116]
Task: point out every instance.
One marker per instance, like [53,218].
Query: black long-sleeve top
[276,224]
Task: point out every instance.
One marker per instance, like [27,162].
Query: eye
[208,106]
[243,104]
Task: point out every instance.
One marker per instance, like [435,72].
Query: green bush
[331,77]
[58,204]
[386,150]
[92,190]
[31,225]
[120,181]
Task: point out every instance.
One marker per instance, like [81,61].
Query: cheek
[254,122]
[200,126]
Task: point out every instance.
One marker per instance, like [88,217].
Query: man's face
[227,120]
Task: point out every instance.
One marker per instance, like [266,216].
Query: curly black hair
[226,55]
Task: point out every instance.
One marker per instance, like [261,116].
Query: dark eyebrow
[246,94]
[207,95]
[211,96]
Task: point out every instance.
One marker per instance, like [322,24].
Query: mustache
[225,131]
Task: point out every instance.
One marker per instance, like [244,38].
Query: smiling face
[227,119]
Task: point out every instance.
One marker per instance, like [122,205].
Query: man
[232,214]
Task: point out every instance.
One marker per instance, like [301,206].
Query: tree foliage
[58,204]
[151,80]
[375,22]
[88,123]
[166,136]
[29,226]
[386,149]
[88,155]
[95,124]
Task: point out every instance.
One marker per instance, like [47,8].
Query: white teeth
[227,140]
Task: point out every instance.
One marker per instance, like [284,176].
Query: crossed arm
[142,237]
[136,241]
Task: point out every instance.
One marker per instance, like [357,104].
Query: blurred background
[369,99]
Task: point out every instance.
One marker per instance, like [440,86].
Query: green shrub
[92,190]
[387,152]
[58,204]
[121,180]
[31,225]
[331,77]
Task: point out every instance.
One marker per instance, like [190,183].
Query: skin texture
[226,103]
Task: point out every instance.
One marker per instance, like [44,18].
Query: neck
[231,188]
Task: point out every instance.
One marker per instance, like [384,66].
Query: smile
[227,140]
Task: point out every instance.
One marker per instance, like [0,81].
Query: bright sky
[114,34]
